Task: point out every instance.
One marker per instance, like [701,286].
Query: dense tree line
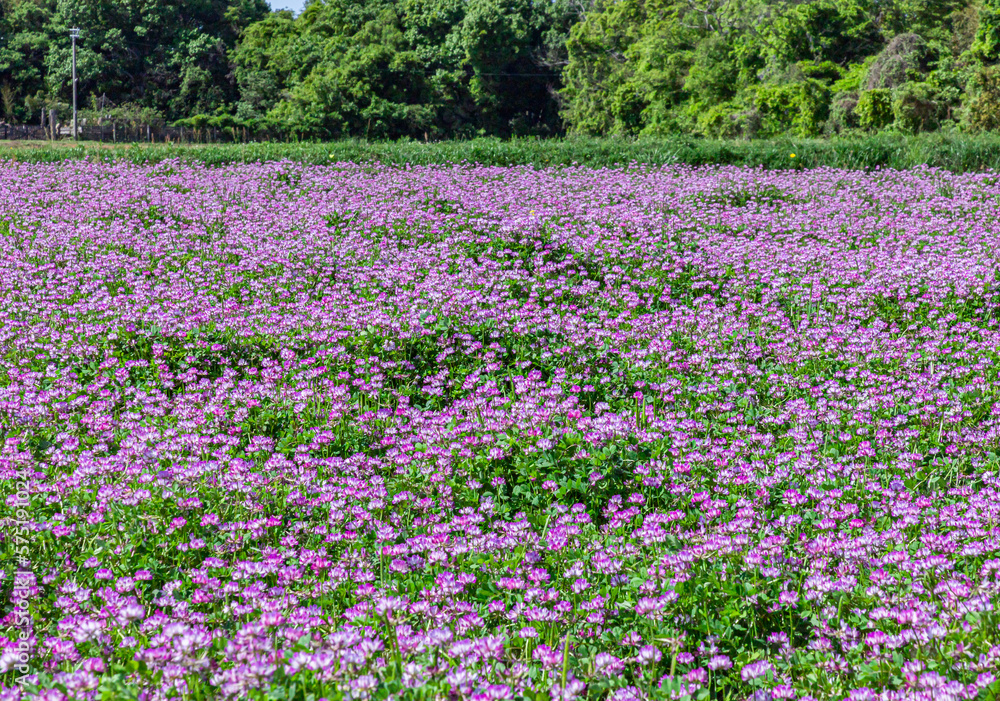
[769,67]
[440,68]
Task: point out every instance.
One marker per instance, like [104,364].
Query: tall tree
[172,56]
[417,68]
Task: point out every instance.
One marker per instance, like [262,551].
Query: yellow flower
[791,155]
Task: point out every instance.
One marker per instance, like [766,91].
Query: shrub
[986,46]
[798,107]
[964,27]
[713,74]
[874,108]
[916,107]
[627,105]
[902,60]
[982,107]
[723,121]
[842,113]
[854,76]
[825,70]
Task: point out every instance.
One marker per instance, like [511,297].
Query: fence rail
[129,133]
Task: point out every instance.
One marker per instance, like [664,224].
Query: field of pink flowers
[359,432]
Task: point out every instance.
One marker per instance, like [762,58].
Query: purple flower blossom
[648,654]
[719,662]
[755,670]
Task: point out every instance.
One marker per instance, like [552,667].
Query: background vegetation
[430,69]
[953,152]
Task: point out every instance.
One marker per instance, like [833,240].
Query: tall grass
[952,152]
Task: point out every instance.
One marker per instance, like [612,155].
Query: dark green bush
[799,108]
[986,46]
[842,113]
[903,59]
[874,108]
[917,107]
[982,109]
[724,121]
[627,105]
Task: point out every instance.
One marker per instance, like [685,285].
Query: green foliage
[134,114]
[917,107]
[853,77]
[169,56]
[874,108]
[627,105]
[436,69]
[597,66]
[798,108]
[899,62]
[986,46]
[825,71]
[843,115]
[760,69]
[422,68]
[982,111]
[713,75]
[954,152]
[509,46]
[723,121]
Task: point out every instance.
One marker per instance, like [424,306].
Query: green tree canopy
[379,68]
[172,56]
[452,68]
[768,67]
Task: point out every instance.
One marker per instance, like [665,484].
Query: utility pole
[73,34]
